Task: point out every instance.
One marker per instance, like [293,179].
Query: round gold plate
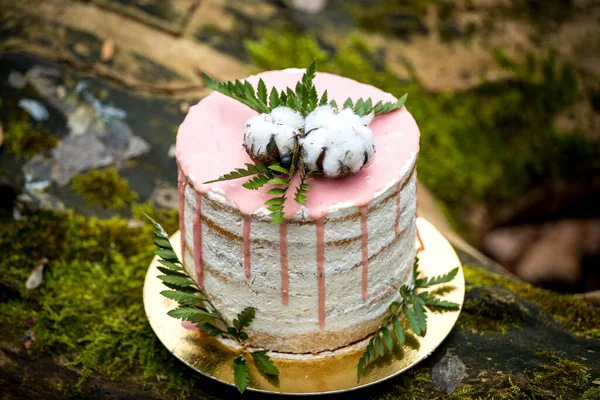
[318,375]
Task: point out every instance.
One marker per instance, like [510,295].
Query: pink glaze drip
[189,325]
[398,207]
[209,144]
[198,240]
[365,250]
[321,270]
[283,260]
[421,244]
[246,244]
[181,193]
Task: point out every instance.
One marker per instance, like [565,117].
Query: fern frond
[251,169]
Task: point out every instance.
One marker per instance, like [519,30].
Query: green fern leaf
[182,289]
[168,255]
[168,271]
[371,349]
[192,314]
[379,345]
[441,279]
[274,99]
[323,100]
[348,103]
[210,329]
[384,108]
[163,243]
[309,74]
[278,168]
[177,280]
[412,320]
[261,91]
[398,330]
[251,169]
[436,304]
[387,337]
[241,374]
[264,363]
[184,299]
[258,181]
[171,265]
[244,318]
[277,181]
[360,368]
[276,192]
[240,91]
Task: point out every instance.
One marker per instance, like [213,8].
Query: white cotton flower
[271,137]
[337,143]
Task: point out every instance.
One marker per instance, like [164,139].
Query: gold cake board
[331,373]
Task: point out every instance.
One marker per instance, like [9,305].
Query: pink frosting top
[209,144]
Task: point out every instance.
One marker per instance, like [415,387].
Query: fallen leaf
[108,50]
[448,373]
[37,275]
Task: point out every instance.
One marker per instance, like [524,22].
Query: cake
[323,278]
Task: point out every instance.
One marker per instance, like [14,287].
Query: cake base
[327,372]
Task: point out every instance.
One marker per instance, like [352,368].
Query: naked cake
[322,278]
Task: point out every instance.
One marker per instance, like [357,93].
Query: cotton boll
[338,144]
[287,116]
[270,137]
[312,146]
[321,117]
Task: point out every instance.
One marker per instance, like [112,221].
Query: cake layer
[323,279]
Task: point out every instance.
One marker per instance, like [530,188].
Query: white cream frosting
[294,327]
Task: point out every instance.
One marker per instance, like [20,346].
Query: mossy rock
[104,188]
[92,338]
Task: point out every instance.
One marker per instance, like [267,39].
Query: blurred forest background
[506,93]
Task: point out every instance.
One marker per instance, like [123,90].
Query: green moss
[279,50]
[573,313]
[487,311]
[383,15]
[88,309]
[410,385]
[103,187]
[562,375]
[24,140]
[591,394]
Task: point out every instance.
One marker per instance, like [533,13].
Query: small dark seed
[286,162]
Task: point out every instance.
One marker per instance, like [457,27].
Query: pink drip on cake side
[398,207]
[364,239]
[283,260]
[198,240]
[421,244]
[181,182]
[320,224]
[246,247]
